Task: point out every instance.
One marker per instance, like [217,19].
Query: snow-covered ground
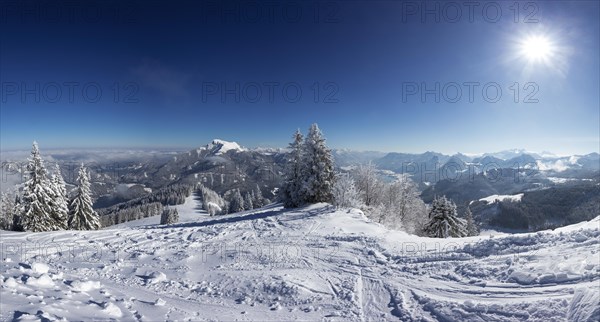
[314,263]
[493,198]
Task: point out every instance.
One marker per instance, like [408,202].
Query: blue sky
[168,75]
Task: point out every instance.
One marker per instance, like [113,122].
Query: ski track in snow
[314,263]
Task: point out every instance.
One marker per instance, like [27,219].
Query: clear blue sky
[172,63]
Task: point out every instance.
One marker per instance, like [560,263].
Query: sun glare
[537,48]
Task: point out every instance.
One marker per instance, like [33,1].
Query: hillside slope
[314,263]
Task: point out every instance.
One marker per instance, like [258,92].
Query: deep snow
[314,263]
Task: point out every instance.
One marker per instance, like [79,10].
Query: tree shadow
[18,315]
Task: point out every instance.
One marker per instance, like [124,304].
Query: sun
[537,48]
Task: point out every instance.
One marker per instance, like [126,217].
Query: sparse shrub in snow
[443,220]
[82,215]
[344,192]
[169,216]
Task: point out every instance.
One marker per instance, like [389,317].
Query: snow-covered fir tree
[317,168]
[344,192]
[38,200]
[293,173]
[81,214]
[7,208]
[236,202]
[472,229]
[61,210]
[444,221]
[248,205]
[258,199]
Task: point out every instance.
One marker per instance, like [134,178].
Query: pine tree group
[169,216]
[309,173]
[43,204]
[444,221]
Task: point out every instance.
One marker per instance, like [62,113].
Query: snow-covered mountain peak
[218,146]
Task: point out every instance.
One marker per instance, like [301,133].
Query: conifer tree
[61,209]
[7,207]
[81,214]
[37,204]
[248,205]
[258,199]
[236,204]
[443,221]
[293,174]
[317,168]
[472,229]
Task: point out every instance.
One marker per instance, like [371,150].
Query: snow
[44,281]
[493,198]
[84,286]
[156,277]
[219,147]
[314,264]
[40,268]
[585,306]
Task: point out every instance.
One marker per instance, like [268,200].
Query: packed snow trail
[313,263]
